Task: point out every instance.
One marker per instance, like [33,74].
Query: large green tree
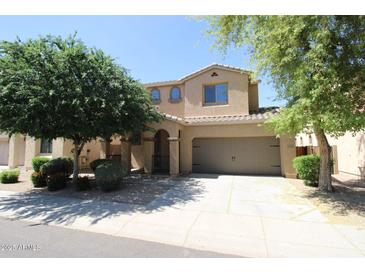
[317,64]
[53,87]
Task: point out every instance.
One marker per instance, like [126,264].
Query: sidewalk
[349,180]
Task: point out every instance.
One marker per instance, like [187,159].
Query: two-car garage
[247,155]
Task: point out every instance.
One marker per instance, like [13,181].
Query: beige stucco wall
[137,156]
[16,151]
[253,97]
[350,151]
[90,152]
[32,149]
[173,108]
[237,93]
[191,103]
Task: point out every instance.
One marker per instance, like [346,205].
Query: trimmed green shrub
[307,167]
[38,161]
[109,175]
[9,176]
[94,164]
[38,179]
[56,181]
[59,165]
[83,183]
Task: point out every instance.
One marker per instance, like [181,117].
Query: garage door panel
[206,156]
[259,155]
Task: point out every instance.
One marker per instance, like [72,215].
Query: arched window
[175,94]
[155,95]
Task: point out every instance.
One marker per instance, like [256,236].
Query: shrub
[307,167]
[56,181]
[9,176]
[83,183]
[38,179]
[38,161]
[109,175]
[94,164]
[62,165]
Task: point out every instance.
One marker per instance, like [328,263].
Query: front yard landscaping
[136,188]
[344,206]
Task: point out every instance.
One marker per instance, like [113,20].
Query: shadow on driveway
[63,209]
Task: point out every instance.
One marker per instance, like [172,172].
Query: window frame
[50,148]
[159,96]
[136,139]
[215,103]
[171,100]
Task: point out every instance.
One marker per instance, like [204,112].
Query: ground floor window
[46,146]
[136,139]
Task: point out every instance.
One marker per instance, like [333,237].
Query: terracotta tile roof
[262,115]
[190,75]
[214,65]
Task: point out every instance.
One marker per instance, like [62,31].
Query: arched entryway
[161,156]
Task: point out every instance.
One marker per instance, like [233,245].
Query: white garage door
[253,155]
[4,153]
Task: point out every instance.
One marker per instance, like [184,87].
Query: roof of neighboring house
[262,115]
[200,71]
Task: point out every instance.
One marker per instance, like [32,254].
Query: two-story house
[212,124]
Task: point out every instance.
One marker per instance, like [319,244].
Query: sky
[152,48]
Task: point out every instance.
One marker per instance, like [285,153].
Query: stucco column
[57,148]
[32,149]
[186,157]
[148,149]
[14,150]
[104,148]
[174,156]
[126,152]
[335,159]
[287,154]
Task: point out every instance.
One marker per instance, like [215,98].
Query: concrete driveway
[240,215]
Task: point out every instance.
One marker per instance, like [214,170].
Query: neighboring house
[212,124]
[348,152]
[4,149]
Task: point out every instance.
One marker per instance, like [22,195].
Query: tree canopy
[53,87]
[316,63]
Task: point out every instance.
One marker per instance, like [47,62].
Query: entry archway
[161,156]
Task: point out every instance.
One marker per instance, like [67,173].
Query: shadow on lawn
[343,201]
[58,208]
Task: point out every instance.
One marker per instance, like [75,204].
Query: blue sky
[153,48]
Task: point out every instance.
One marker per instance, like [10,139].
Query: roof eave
[222,123]
[198,72]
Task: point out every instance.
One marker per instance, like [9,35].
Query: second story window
[46,146]
[155,96]
[175,94]
[216,94]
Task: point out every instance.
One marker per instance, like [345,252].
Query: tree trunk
[325,181]
[75,173]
